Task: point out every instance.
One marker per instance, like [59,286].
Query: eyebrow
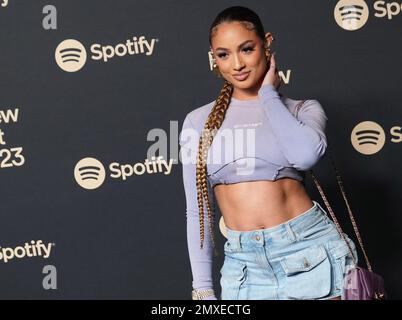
[240,45]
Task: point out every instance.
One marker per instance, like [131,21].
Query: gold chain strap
[340,184]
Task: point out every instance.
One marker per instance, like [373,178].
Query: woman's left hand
[272,76]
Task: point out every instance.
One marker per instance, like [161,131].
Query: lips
[241,76]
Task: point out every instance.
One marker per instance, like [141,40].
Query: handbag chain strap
[352,219]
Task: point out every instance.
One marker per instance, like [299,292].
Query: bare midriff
[253,205]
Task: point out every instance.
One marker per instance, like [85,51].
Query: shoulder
[197,117]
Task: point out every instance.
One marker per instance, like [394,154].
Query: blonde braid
[212,125]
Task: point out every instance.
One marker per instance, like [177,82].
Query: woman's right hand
[272,76]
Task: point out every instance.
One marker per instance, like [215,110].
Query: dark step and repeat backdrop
[93,96]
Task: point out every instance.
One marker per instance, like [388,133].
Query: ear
[269,38]
[213,53]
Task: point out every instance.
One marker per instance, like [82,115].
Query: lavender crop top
[260,139]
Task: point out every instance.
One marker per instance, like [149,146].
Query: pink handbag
[359,283]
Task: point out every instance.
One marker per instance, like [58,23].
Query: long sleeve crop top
[259,139]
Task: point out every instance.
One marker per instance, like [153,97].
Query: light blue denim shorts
[302,258]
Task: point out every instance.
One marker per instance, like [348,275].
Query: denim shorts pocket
[308,273]
[321,229]
[231,247]
[233,275]
[343,260]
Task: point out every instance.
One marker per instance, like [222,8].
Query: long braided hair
[215,118]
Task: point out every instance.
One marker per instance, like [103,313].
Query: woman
[280,243]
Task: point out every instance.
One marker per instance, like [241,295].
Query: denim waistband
[286,231]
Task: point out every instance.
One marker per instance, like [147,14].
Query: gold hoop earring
[213,66]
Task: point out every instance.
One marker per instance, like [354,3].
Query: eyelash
[246,48]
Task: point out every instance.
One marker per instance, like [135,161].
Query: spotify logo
[368,137]
[89,173]
[351,14]
[70,55]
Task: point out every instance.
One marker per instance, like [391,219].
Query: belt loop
[290,232]
[235,241]
[324,211]
[238,242]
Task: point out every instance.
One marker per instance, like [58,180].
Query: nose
[238,63]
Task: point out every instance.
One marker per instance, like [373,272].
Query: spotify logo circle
[89,173]
[70,55]
[368,137]
[351,14]
[222,227]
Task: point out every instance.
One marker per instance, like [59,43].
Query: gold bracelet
[201,294]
